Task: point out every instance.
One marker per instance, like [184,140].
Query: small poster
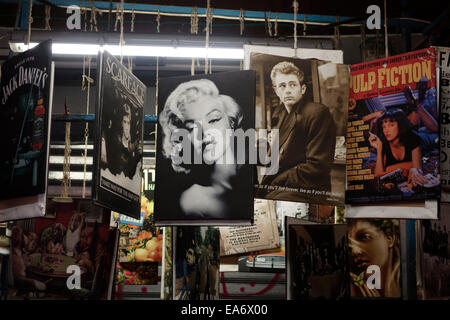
[25,116]
[119,137]
[205,150]
[393,130]
[317,264]
[196,263]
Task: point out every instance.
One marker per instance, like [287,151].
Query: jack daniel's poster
[25,109]
[119,137]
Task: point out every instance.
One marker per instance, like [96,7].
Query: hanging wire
[133,15]
[47,17]
[117,17]
[295,4]
[269,25]
[158,21]
[337,35]
[194,21]
[304,25]
[30,21]
[93,19]
[207,35]
[276,25]
[241,20]
[86,126]
[121,44]
[386,42]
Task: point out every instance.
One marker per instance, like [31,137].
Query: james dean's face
[289,89]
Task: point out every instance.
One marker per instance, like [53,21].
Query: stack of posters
[118,149]
[25,116]
[205,149]
[301,113]
[393,130]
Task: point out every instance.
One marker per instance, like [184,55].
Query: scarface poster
[119,137]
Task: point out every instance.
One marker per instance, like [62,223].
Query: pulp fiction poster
[119,137]
[393,130]
[25,113]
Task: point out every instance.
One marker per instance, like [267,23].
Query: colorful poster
[118,150]
[205,164]
[66,257]
[393,130]
[25,116]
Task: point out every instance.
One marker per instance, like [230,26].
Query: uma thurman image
[305,101]
[197,116]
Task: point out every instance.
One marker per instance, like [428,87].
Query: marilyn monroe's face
[207,124]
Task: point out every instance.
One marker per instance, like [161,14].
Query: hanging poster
[43,250]
[25,116]
[317,265]
[443,63]
[205,149]
[301,115]
[374,247]
[393,130]
[433,250]
[262,235]
[118,148]
[196,263]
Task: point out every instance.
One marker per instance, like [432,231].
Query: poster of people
[119,147]
[43,250]
[25,114]
[302,105]
[435,255]
[206,149]
[374,242]
[196,263]
[317,265]
[443,62]
[393,130]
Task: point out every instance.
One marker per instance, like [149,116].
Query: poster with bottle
[25,115]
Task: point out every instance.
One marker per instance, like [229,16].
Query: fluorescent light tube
[138,51]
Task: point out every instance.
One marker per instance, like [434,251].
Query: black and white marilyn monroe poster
[121,116]
[205,137]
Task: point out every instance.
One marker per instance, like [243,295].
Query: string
[117,17]
[241,20]
[207,35]
[269,25]
[304,25]
[66,162]
[158,21]
[276,25]
[132,19]
[121,32]
[47,17]
[86,127]
[93,19]
[295,4]
[30,21]
[337,35]
[194,21]
[386,43]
